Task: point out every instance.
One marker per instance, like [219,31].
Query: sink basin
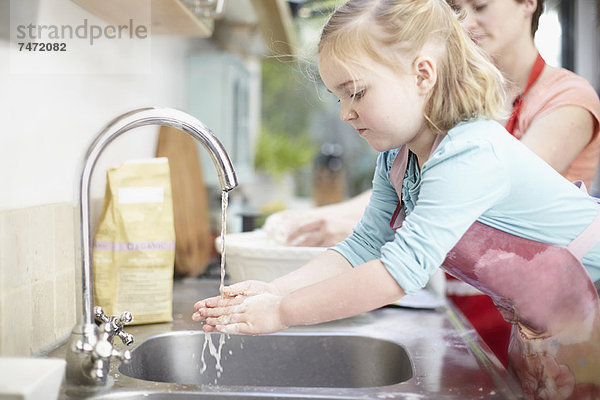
[290,360]
[210,395]
[391,353]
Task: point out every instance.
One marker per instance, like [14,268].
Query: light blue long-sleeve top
[478,172]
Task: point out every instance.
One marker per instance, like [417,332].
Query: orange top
[561,88]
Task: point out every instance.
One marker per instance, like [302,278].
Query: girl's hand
[246,289]
[249,288]
[232,295]
[246,315]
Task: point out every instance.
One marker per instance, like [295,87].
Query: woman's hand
[308,228]
[253,315]
[322,226]
[322,232]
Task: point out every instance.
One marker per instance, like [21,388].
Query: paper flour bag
[134,245]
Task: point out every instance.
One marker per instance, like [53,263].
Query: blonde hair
[468,84]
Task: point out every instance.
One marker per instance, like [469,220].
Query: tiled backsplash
[37,277]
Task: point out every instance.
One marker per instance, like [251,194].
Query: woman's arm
[559,137]
[321,226]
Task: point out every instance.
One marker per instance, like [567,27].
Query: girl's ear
[426,74]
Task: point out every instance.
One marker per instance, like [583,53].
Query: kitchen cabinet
[166,17]
[277,25]
[218,95]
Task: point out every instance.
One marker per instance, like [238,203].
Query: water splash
[214,351]
[206,338]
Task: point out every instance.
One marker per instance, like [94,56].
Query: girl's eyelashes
[358,95]
[355,96]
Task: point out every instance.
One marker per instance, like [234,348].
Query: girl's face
[496,25]
[383,105]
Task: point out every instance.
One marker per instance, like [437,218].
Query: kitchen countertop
[449,359]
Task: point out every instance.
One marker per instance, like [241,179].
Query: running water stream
[224,203]
[212,349]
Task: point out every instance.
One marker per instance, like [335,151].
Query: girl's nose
[347,114]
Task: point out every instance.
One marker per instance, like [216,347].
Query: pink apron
[543,290]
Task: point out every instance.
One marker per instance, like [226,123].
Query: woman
[555,113]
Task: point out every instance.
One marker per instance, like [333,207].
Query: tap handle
[103,348]
[101,317]
[115,324]
[125,318]
[103,352]
[124,356]
[96,365]
[126,338]
[98,370]
[82,347]
[98,349]
[99,353]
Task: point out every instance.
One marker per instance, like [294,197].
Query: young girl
[451,187]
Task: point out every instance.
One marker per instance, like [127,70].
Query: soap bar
[30,378]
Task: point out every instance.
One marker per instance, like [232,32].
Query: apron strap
[397,172]
[589,237]
[536,71]
[398,169]
[586,239]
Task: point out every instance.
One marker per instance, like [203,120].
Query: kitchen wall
[48,122]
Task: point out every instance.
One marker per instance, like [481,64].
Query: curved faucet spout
[120,125]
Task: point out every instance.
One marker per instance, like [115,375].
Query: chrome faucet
[90,347]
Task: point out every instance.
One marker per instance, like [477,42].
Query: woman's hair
[535,18]
[391,31]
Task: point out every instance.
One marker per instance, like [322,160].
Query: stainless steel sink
[389,353]
[289,360]
[200,396]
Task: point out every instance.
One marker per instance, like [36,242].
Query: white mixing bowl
[254,255]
